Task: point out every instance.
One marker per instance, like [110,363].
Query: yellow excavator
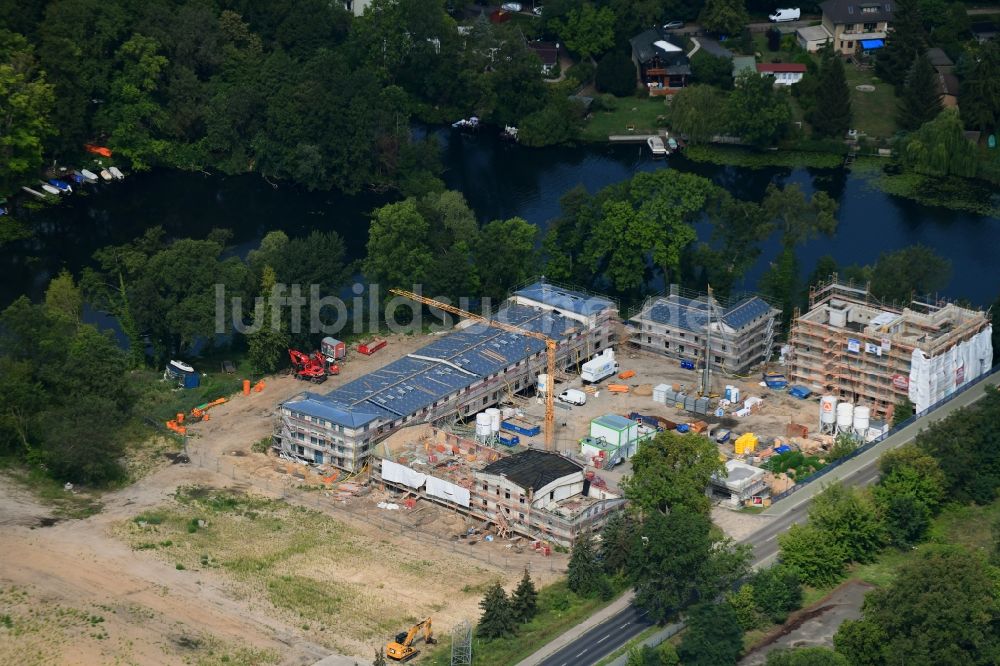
[401,649]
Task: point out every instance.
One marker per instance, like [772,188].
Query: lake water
[499,180]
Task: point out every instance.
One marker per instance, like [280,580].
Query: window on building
[507,495]
[849,27]
[552,496]
[850,45]
[485,502]
[649,339]
[498,491]
[521,499]
[521,516]
[871,27]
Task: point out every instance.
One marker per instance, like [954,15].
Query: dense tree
[902,410]
[672,471]
[267,344]
[907,39]
[505,256]
[557,122]
[777,591]
[317,259]
[379,658]
[738,229]
[980,87]
[724,17]
[915,270]
[962,446]
[497,619]
[64,299]
[941,609]
[587,30]
[616,74]
[807,656]
[798,217]
[831,115]
[567,242]
[757,112]
[713,636]
[583,574]
[814,553]
[618,542]
[780,283]
[698,112]
[912,472]
[851,519]
[742,601]
[920,96]
[939,148]
[712,70]
[681,559]
[26,101]
[524,601]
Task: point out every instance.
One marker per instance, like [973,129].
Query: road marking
[624,625]
[771,538]
[644,613]
[604,639]
[581,653]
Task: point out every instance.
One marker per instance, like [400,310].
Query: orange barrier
[180,417]
[259,386]
[628,374]
[618,388]
[246,387]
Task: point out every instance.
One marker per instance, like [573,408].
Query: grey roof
[566,299]
[449,364]
[745,312]
[678,70]
[533,468]
[852,11]
[939,58]
[813,33]
[744,64]
[615,422]
[644,48]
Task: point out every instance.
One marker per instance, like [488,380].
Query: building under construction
[453,377]
[533,493]
[862,351]
[733,336]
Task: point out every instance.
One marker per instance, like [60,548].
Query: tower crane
[550,352]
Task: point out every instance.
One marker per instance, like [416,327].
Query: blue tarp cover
[869,44]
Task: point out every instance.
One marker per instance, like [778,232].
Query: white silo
[543,384]
[494,415]
[845,416]
[827,414]
[862,419]
[483,429]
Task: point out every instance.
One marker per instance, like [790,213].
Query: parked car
[573,397]
[782,15]
[511,6]
[673,25]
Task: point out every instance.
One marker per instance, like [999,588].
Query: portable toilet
[333,348]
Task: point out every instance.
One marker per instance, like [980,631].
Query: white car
[511,6]
[573,397]
[782,15]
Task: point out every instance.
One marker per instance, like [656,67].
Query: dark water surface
[499,181]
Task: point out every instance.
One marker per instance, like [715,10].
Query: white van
[573,397]
[782,15]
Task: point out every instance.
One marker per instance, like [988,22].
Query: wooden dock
[631,138]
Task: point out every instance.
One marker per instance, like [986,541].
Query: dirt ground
[92,592]
[816,625]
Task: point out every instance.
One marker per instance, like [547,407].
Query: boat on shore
[88,176]
[106,175]
[116,173]
[35,193]
[61,185]
[470,124]
[656,147]
[51,189]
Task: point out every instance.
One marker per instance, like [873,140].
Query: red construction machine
[313,368]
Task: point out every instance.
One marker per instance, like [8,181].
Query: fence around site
[878,440]
[381,518]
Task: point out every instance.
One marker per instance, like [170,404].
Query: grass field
[874,112]
[644,115]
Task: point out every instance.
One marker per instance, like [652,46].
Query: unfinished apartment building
[453,377]
[863,351]
[736,335]
[533,493]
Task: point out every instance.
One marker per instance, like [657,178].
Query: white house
[784,73]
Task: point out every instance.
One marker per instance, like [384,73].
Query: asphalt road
[620,628]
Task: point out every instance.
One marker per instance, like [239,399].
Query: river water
[499,181]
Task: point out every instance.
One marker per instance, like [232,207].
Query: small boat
[35,193]
[89,176]
[509,133]
[77,178]
[469,124]
[51,189]
[672,145]
[117,173]
[106,175]
[656,146]
[61,185]
[3,211]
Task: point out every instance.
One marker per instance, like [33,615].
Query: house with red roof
[784,73]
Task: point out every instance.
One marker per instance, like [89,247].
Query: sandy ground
[814,626]
[77,593]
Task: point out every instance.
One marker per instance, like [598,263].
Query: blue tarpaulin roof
[870,44]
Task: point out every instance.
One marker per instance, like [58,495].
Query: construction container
[372,346]
[599,367]
[862,417]
[508,440]
[521,427]
[616,430]
[495,419]
[333,348]
[800,392]
[775,380]
[192,380]
[660,393]
[845,416]
[483,429]
[687,365]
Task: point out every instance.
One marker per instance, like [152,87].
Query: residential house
[548,53]
[947,81]
[857,26]
[743,64]
[357,7]
[662,65]
[784,73]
